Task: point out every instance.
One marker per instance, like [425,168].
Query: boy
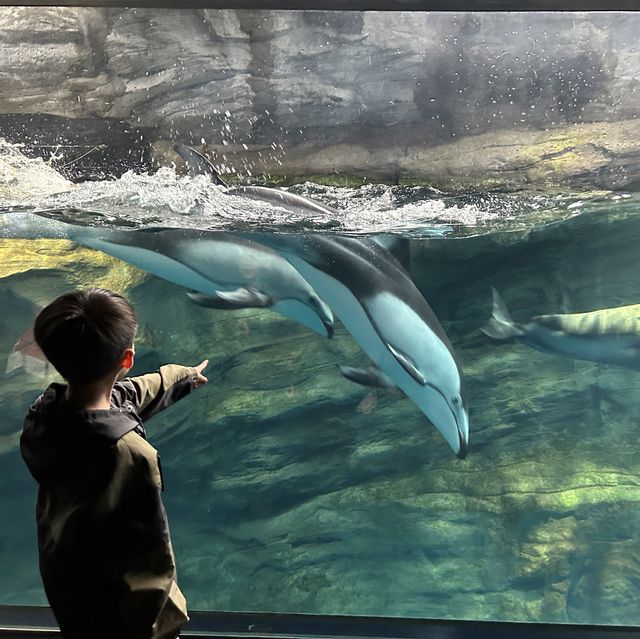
[105,552]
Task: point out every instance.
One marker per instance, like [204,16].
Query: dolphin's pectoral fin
[249,297]
[500,325]
[408,364]
[229,300]
[372,377]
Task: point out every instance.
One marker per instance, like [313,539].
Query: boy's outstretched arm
[154,392]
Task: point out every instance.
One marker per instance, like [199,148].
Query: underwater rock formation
[291,489]
[451,99]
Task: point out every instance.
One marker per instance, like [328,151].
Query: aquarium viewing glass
[409,250]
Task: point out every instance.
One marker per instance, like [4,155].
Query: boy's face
[126,363]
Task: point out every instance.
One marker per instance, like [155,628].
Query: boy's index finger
[202,365]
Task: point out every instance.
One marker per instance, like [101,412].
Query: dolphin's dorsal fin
[240,298]
[408,364]
[197,164]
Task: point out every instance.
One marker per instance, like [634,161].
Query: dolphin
[225,270]
[386,314]
[197,164]
[607,335]
[378,303]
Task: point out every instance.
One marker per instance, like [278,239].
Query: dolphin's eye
[457,400]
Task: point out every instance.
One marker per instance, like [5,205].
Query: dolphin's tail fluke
[500,325]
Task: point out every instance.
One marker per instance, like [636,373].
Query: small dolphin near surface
[197,164]
[225,270]
[608,335]
[386,314]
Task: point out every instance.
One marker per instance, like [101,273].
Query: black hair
[84,334]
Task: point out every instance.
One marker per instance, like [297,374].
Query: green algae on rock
[291,489]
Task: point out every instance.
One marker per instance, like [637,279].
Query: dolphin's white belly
[357,322]
[430,399]
[155,263]
[410,334]
[351,314]
[243,264]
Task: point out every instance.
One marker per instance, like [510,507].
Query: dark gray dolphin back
[174,242]
[297,204]
[362,265]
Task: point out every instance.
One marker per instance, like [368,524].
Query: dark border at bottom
[37,621]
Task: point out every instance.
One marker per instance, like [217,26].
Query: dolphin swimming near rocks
[386,314]
[198,164]
[226,270]
[607,335]
[378,303]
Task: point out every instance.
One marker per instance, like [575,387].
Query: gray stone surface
[382,95]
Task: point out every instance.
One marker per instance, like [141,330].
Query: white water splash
[26,179]
[167,199]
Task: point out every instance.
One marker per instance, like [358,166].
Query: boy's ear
[127,359]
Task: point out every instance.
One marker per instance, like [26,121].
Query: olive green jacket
[105,552]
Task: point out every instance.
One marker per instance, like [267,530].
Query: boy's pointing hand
[199,379]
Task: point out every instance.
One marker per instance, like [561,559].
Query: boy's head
[87,335]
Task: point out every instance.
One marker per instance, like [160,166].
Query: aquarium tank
[408,244]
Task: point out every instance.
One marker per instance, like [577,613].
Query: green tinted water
[290,488]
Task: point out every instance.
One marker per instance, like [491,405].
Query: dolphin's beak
[329,326]
[451,421]
[324,313]
[462,451]
[307,313]
[462,421]
[453,425]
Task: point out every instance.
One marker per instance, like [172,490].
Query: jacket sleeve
[133,547]
[154,392]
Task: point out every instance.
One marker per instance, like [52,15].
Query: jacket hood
[58,440]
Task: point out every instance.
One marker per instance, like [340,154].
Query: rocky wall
[373,95]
